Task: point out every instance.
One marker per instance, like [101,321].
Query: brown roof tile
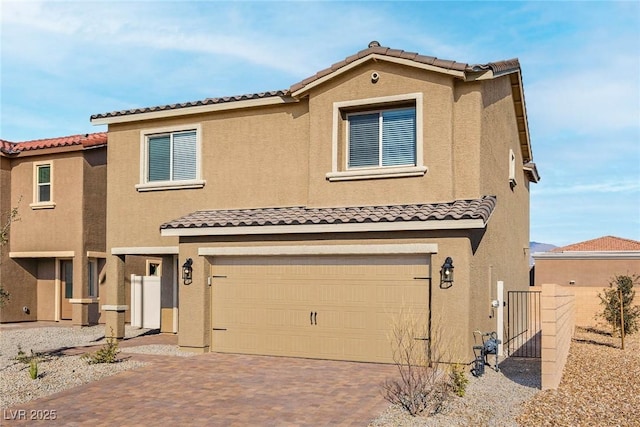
[602,244]
[456,210]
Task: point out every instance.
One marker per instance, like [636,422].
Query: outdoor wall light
[446,273]
[187,271]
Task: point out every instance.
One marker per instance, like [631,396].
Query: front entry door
[66,289]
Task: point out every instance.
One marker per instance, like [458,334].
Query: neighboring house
[55,256]
[302,222]
[588,268]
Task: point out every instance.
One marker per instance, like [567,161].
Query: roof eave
[462,224]
[531,170]
[588,255]
[186,111]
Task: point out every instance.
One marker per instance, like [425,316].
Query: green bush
[610,300]
[459,379]
[105,354]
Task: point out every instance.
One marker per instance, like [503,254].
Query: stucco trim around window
[172,183]
[340,172]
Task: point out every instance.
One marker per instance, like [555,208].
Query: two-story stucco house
[302,222]
[55,255]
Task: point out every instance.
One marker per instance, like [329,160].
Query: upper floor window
[382,138]
[377,138]
[43,186]
[170,159]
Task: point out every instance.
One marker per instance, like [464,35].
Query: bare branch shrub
[421,387]
[11,216]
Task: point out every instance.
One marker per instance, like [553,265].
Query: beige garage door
[327,307]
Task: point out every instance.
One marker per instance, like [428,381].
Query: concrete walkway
[219,390]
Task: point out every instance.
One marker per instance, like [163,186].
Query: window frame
[340,138]
[37,203]
[170,184]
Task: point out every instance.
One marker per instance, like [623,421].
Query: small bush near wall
[610,300]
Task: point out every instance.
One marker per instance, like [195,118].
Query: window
[93,279]
[44,183]
[377,138]
[382,138]
[170,159]
[42,188]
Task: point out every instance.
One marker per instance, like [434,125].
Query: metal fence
[524,325]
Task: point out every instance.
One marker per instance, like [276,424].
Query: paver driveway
[223,390]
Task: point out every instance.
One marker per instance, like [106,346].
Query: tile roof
[500,67]
[208,101]
[456,210]
[602,244]
[85,140]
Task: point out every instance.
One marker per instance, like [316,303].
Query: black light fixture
[446,273]
[187,271]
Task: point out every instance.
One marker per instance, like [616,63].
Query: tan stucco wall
[17,278]
[584,272]
[253,158]
[57,229]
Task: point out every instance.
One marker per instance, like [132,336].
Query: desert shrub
[22,357]
[421,387]
[105,354]
[459,379]
[610,300]
[33,368]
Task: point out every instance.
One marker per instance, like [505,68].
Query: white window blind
[383,138]
[172,157]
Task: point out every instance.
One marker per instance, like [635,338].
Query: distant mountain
[538,247]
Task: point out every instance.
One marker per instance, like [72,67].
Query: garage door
[327,307]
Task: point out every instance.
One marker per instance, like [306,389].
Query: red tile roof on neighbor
[500,67]
[84,140]
[456,210]
[602,244]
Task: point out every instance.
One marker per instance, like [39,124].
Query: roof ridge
[598,244]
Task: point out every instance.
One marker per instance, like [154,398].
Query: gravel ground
[600,387]
[493,399]
[58,372]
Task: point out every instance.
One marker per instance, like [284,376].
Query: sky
[61,62]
